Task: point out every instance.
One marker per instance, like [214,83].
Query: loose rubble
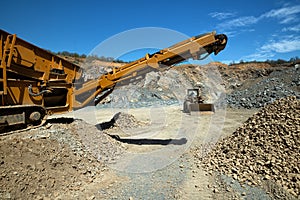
[38,169]
[258,93]
[265,148]
[61,160]
[126,121]
[123,121]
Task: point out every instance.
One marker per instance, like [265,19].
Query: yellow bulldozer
[195,102]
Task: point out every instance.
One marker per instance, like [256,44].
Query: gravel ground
[54,161]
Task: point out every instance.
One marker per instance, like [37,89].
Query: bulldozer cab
[193,92]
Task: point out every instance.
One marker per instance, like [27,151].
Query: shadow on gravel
[106,125]
[60,120]
[150,141]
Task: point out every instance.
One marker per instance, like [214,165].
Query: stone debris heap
[126,121]
[265,148]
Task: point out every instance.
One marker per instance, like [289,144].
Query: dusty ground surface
[151,150]
[69,159]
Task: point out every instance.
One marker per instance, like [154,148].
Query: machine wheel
[21,117]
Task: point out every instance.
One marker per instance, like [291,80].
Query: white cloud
[292,28]
[286,14]
[287,44]
[258,56]
[283,46]
[239,22]
[288,19]
[221,15]
[233,33]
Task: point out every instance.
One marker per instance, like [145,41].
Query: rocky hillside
[256,93]
[245,85]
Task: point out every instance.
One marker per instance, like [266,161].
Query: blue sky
[257,30]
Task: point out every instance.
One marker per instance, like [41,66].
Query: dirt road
[158,162]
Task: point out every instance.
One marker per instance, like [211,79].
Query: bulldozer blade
[202,107]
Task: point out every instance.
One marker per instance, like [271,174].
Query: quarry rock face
[258,93]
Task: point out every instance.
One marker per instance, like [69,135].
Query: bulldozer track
[20,118]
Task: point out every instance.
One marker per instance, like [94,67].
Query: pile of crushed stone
[126,121]
[123,121]
[265,148]
[100,145]
[82,138]
[56,161]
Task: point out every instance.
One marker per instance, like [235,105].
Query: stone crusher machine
[35,83]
